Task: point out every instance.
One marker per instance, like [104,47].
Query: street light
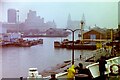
[73,43]
[18,20]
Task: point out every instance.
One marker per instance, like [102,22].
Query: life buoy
[115,69]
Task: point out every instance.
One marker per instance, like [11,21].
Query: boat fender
[115,69]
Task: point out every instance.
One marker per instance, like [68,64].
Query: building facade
[93,34]
[12,16]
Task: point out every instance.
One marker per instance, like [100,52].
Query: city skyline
[103,14]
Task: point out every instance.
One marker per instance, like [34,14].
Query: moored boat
[57,44]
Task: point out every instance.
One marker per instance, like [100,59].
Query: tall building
[36,22]
[33,20]
[12,14]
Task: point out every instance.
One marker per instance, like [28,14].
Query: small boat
[57,44]
[33,74]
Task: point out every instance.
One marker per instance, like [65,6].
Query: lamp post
[18,20]
[73,43]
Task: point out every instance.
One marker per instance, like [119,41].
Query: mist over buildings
[103,14]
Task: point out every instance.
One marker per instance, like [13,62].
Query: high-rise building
[11,15]
[36,22]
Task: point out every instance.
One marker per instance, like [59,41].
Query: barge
[22,43]
[77,46]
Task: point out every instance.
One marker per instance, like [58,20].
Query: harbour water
[17,60]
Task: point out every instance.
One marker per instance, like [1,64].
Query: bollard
[21,78]
[80,56]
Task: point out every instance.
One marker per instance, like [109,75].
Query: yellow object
[99,45]
[71,72]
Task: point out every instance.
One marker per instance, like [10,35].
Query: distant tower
[83,20]
[69,21]
[82,24]
[11,16]
[54,24]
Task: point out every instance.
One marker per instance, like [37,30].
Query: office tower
[12,15]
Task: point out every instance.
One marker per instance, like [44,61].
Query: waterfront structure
[10,36]
[12,16]
[94,34]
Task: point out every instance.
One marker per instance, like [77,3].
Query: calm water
[17,60]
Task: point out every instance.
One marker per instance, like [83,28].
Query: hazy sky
[103,14]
